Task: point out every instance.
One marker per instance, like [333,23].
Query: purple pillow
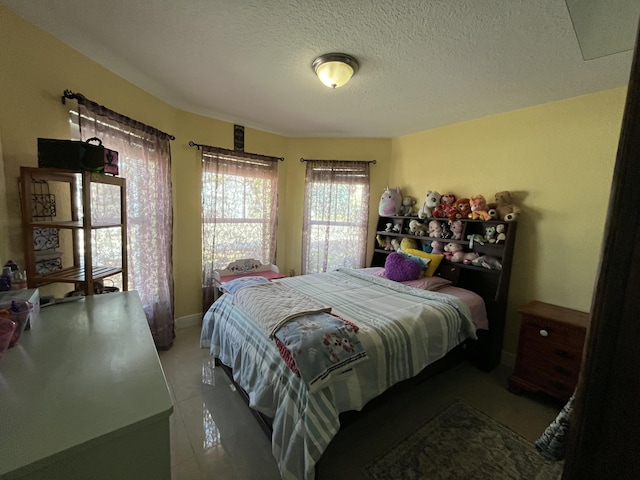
[401,269]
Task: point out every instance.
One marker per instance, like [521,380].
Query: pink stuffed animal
[437,247]
[454,252]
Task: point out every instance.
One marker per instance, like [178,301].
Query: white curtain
[239,211]
[145,163]
[336,215]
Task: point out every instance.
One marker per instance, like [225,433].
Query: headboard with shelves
[491,284]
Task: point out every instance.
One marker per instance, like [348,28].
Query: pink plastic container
[7,328]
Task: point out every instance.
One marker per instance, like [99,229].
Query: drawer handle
[544,333]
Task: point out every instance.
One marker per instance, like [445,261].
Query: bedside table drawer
[549,350]
[535,329]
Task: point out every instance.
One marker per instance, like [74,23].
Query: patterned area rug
[463,443]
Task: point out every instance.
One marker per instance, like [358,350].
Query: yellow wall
[558,161]
[557,158]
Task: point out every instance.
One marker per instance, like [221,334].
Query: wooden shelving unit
[70,209]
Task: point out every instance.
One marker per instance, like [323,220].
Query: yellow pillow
[435,260]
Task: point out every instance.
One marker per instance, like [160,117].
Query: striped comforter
[401,328]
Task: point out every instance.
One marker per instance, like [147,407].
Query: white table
[83,395]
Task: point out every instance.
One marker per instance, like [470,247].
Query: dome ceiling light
[335,69]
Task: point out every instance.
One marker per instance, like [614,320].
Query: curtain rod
[81,98]
[256,156]
[356,161]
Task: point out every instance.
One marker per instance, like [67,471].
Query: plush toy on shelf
[456,230]
[446,231]
[490,234]
[395,244]
[431,200]
[501,234]
[397,228]
[506,210]
[437,247]
[390,202]
[418,228]
[479,208]
[408,243]
[407,206]
[462,210]
[388,227]
[488,262]
[435,229]
[454,252]
[446,207]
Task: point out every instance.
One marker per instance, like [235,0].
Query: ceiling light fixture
[335,69]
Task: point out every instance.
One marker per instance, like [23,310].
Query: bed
[401,329]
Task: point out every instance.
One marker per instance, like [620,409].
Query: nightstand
[549,350]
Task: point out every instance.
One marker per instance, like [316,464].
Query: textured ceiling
[423,63]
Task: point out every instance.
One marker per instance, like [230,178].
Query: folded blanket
[271,305]
[319,347]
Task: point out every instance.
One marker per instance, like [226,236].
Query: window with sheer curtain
[145,163]
[239,211]
[336,215]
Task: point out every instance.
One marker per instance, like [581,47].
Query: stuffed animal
[488,262]
[492,210]
[490,234]
[390,202]
[407,206]
[506,210]
[454,252]
[462,210]
[397,228]
[479,209]
[456,230]
[431,200]
[380,241]
[418,228]
[446,207]
[387,244]
[388,227]
[476,238]
[446,231]
[435,229]
[407,243]
[395,244]
[437,247]
[501,234]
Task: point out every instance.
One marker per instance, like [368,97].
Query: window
[336,214]
[239,210]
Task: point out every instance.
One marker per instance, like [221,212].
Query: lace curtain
[145,162]
[239,211]
[336,215]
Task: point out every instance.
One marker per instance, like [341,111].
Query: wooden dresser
[549,350]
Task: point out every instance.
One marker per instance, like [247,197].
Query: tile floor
[214,436]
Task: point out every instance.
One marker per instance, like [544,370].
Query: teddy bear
[418,228]
[506,210]
[390,202]
[479,208]
[446,206]
[492,210]
[407,206]
[431,200]
[435,229]
[456,230]
[454,252]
